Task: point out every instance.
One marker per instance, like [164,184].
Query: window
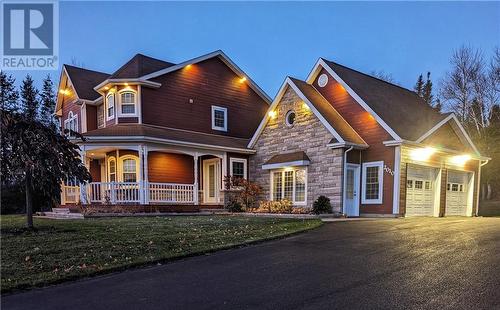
[100,116]
[71,124]
[129,170]
[110,99]
[373,182]
[428,185]
[219,118]
[454,187]
[409,184]
[289,184]
[112,169]
[461,187]
[290,118]
[419,184]
[448,186]
[127,102]
[238,167]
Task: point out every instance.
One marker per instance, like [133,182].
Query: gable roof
[401,109]
[84,80]
[221,55]
[288,157]
[138,66]
[343,133]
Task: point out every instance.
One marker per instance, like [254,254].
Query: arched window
[71,124]
[112,169]
[129,169]
[110,99]
[128,102]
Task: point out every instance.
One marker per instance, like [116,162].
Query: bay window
[372,182]
[289,184]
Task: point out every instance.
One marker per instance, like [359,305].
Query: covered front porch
[149,174]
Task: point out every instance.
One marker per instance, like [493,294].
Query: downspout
[344,183]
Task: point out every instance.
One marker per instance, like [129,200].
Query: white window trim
[217,108]
[108,118]
[122,159]
[120,93]
[238,160]
[282,171]
[112,158]
[380,165]
[71,117]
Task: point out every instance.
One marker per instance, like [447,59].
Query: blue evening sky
[270,40]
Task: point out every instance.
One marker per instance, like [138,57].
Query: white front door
[210,180]
[351,190]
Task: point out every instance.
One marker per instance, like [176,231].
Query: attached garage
[422,188]
[459,193]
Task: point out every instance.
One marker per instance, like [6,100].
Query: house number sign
[388,170]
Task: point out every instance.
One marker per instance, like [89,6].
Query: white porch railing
[171,193]
[130,192]
[70,194]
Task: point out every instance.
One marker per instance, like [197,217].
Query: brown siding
[91,117]
[95,170]
[69,103]
[170,168]
[370,130]
[124,120]
[207,83]
[445,137]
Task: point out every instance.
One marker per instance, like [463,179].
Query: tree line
[35,156]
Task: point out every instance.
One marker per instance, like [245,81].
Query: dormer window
[110,99]
[219,118]
[128,102]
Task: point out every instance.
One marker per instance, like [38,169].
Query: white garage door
[420,190]
[457,192]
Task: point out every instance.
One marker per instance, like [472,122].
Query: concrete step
[59,215]
[60,210]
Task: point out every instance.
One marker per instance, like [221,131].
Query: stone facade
[324,174]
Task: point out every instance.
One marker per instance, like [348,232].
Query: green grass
[61,250]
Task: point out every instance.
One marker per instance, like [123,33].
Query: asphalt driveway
[446,263]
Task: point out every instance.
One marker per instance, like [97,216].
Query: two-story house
[158,133]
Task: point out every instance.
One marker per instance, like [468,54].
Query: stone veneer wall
[324,176]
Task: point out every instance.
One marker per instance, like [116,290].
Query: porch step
[60,210]
[61,216]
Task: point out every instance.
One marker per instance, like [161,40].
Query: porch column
[140,151]
[145,174]
[195,185]
[83,189]
[224,174]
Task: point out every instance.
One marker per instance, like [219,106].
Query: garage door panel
[420,189]
[457,193]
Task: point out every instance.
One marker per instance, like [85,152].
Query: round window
[322,80]
[290,118]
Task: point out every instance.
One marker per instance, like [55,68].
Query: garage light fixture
[422,154]
[272,114]
[459,159]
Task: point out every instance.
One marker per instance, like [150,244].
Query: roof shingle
[138,66]
[85,80]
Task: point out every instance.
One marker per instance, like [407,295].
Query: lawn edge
[162,261]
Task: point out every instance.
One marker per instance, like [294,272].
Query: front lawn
[61,250]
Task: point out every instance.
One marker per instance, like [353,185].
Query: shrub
[280,206]
[322,205]
[247,192]
[301,210]
[234,205]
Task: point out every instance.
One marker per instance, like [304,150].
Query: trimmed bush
[280,206]
[322,205]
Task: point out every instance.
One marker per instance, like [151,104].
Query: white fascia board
[224,58]
[289,82]
[314,72]
[112,139]
[286,164]
[138,81]
[338,145]
[443,122]
[265,119]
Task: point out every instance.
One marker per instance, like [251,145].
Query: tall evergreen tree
[419,86]
[8,93]
[29,99]
[427,91]
[48,102]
